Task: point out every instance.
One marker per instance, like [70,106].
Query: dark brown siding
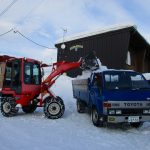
[110,47]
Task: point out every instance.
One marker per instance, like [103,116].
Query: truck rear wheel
[80,106]
[54,107]
[8,107]
[95,117]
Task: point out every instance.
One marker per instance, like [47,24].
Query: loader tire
[29,109]
[80,106]
[8,107]
[54,107]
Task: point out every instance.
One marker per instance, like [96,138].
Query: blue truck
[114,96]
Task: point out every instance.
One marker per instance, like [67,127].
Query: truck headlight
[111,112]
[118,112]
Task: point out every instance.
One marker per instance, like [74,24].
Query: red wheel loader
[21,84]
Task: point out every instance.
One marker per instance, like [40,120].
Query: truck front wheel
[80,106]
[54,107]
[8,107]
[95,117]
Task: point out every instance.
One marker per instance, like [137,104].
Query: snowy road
[72,132]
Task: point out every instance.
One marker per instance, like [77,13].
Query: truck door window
[97,80]
[111,81]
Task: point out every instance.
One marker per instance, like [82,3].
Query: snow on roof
[98,31]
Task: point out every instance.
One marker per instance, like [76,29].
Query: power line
[6,32]
[8,7]
[32,40]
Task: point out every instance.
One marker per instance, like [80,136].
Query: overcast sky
[43,20]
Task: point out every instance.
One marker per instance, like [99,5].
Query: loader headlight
[112,112]
[146,111]
[118,112]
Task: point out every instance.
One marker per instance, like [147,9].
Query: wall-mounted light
[63,46]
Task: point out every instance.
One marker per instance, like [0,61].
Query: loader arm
[58,69]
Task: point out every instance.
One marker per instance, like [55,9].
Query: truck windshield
[125,80]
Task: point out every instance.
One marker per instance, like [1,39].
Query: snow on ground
[72,132]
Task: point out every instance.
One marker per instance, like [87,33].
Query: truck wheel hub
[6,107]
[95,116]
[54,108]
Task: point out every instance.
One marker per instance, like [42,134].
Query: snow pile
[87,73]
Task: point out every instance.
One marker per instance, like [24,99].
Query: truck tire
[29,109]
[54,107]
[8,107]
[95,117]
[80,106]
[136,125]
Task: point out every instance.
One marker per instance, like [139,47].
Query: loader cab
[22,75]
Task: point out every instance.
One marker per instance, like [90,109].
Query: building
[120,47]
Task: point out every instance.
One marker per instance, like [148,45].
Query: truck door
[2,72]
[96,86]
[96,90]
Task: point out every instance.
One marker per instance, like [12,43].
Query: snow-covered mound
[87,73]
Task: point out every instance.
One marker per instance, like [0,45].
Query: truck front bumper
[122,119]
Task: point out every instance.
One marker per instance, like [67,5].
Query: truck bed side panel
[81,89]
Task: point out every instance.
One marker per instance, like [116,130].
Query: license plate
[133,119]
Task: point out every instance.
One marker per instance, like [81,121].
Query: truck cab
[114,96]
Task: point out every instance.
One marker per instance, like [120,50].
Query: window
[124,80]
[1,71]
[112,81]
[32,73]
[36,73]
[16,74]
[27,75]
[12,74]
[97,80]
[8,74]
[138,81]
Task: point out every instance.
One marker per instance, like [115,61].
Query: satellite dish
[63,46]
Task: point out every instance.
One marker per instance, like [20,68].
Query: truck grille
[132,111]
